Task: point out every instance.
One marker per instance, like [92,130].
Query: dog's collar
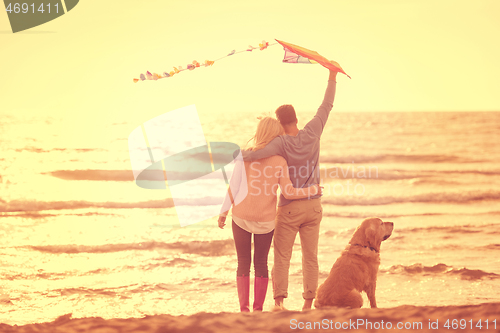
[366,247]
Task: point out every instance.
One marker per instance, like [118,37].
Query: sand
[409,318]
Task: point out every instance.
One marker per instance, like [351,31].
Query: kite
[293,54]
[298,54]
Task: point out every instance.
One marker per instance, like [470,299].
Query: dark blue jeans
[243,243]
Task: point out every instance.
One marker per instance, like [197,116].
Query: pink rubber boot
[260,290]
[243,284]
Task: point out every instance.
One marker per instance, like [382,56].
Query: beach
[478,318]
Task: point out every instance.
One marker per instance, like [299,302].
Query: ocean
[78,236]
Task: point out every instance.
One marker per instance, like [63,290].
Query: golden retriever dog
[356,268]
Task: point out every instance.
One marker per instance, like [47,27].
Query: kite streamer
[293,54]
[149,76]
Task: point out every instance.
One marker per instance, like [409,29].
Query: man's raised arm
[317,124]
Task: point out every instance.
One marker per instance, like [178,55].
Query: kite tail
[149,76]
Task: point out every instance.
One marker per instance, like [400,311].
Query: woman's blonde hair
[267,129]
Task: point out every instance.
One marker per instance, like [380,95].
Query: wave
[442,197]
[491,247]
[204,248]
[330,173]
[398,158]
[462,273]
[29,215]
[350,171]
[178,262]
[478,172]
[119,175]
[372,172]
[32,149]
[170,263]
[42,275]
[37,216]
[364,215]
[102,175]
[462,229]
[88,292]
[33,205]
[125,291]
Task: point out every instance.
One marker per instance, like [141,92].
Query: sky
[402,55]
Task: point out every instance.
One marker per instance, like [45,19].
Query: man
[300,148]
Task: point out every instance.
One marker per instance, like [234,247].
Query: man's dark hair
[286,114]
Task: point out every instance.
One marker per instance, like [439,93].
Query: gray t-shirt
[301,151]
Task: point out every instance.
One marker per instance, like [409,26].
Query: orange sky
[402,56]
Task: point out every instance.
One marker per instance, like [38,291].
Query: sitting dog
[356,269]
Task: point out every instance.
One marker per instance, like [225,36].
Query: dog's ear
[370,234]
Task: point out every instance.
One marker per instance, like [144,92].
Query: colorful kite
[293,54]
[298,54]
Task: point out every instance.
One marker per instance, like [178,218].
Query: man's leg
[287,222]
[309,236]
[284,238]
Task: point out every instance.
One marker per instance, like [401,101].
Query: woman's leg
[242,242]
[262,243]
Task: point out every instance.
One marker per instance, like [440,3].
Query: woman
[253,195]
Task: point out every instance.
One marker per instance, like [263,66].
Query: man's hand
[333,75]
[222,221]
[320,189]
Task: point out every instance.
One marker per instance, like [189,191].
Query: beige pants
[304,217]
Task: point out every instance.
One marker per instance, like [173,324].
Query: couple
[281,155]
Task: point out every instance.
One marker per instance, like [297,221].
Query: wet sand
[407,318]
